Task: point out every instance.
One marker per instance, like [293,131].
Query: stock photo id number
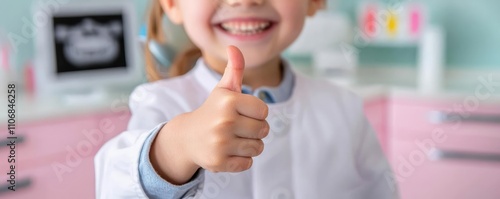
[10,138]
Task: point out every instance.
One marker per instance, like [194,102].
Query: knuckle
[251,148]
[262,110]
[265,111]
[228,99]
[233,166]
[260,147]
[240,165]
[215,162]
[265,130]
[249,164]
[227,123]
[224,125]
[219,141]
[245,148]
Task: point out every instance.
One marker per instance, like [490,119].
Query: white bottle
[431,60]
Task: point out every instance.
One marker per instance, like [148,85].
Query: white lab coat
[320,145]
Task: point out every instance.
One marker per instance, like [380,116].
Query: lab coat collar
[209,79]
[203,76]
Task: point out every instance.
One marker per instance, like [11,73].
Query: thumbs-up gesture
[221,136]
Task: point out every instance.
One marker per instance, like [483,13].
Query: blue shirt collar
[269,95]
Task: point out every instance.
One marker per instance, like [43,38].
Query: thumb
[233,74]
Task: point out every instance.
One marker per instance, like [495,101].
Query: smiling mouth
[245,28]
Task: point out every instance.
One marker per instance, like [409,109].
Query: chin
[256,59]
[251,63]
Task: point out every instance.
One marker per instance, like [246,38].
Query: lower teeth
[235,32]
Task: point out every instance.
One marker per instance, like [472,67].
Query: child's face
[262,29]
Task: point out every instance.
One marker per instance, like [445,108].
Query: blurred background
[429,71]
[472,29]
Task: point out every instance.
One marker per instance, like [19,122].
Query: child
[241,124]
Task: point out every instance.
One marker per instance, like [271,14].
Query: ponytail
[183,61]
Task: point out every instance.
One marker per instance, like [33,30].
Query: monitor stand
[81,97]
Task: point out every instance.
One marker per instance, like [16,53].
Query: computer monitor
[86,47]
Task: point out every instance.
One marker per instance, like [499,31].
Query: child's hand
[221,136]
[227,129]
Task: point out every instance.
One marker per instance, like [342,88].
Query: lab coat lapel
[203,76]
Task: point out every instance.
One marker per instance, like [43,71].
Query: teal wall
[472,31]
[13,13]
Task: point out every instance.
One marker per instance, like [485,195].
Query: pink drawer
[423,117]
[445,173]
[376,113]
[45,142]
[46,182]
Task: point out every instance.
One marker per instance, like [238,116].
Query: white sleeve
[116,163]
[374,178]
[373,166]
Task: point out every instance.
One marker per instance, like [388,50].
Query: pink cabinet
[439,152]
[420,174]
[45,181]
[435,152]
[376,113]
[55,157]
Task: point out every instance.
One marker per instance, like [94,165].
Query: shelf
[388,43]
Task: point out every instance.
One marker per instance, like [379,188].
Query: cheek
[197,32]
[197,24]
[293,19]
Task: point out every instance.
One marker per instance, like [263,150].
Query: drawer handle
[5,142]
[20,184]
[439,154]
[439,117]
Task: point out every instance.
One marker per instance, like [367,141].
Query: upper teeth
[235,27]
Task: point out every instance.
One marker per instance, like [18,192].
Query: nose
[243,2]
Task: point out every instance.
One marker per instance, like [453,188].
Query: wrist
[168,158]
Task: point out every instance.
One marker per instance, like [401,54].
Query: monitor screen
[89,42]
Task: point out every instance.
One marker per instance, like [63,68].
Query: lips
[247,27]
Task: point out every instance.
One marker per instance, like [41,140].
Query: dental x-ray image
[89,43]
